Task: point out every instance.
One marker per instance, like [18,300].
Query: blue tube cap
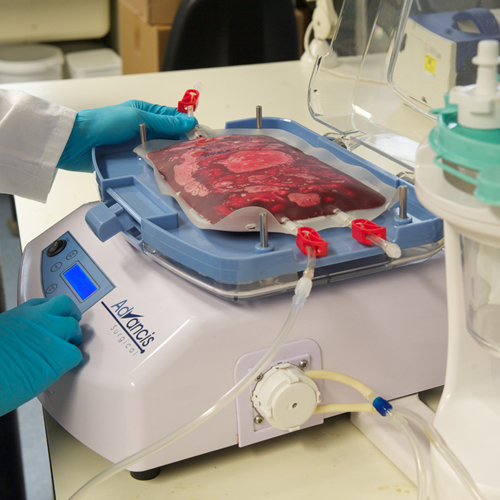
[382,406]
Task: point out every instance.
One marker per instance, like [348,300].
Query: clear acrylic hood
[398,59]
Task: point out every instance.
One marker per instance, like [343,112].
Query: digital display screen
[80,282]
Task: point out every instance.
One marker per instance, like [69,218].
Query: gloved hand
[36,347]
[116,124]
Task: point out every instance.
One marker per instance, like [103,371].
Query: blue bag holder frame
[154,223]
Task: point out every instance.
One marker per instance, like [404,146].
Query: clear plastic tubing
[442,448]
[400,423]
[302,291]
[391,249]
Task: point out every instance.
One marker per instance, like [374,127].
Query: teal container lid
[488,186]
[475,149]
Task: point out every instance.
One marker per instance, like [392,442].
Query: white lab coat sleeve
[33,133]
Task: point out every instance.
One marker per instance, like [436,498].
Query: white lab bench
[330,461]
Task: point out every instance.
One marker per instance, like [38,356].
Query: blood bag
[226,180]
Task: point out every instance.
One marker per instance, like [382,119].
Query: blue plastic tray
[133,204]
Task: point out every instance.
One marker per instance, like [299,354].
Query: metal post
[142,128]
[263,230]
[403,202]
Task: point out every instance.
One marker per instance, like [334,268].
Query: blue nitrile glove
[36,347]
[116,124]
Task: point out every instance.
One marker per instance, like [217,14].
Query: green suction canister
[466,138]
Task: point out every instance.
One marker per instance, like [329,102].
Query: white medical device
[437,52]
[320,30]
[458,178]
[162,342]
[174,316]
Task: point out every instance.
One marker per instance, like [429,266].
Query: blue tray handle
[106,220]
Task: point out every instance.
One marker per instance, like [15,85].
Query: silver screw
[259,377]
[258,419]
[303,364]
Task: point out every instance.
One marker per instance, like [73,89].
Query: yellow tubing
[346,408]
[365,391]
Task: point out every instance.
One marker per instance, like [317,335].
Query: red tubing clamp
[307,236]
[190,99]
[362,227]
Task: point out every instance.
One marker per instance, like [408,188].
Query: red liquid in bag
[219,175]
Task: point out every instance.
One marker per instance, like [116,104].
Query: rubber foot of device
[146,475]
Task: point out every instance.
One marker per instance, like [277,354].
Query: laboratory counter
[334,460]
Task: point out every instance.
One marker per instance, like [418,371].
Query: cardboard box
[142,46]
[300,19]
[155,11]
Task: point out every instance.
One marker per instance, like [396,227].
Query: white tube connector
[479,104]
[304,285]
[302,291]
[286,397]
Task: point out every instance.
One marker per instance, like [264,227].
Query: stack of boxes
[144,27]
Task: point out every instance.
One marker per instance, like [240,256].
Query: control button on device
[56,266]
[71,255]
[55,248]
[50,289]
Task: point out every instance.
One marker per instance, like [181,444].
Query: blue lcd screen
[80,282]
